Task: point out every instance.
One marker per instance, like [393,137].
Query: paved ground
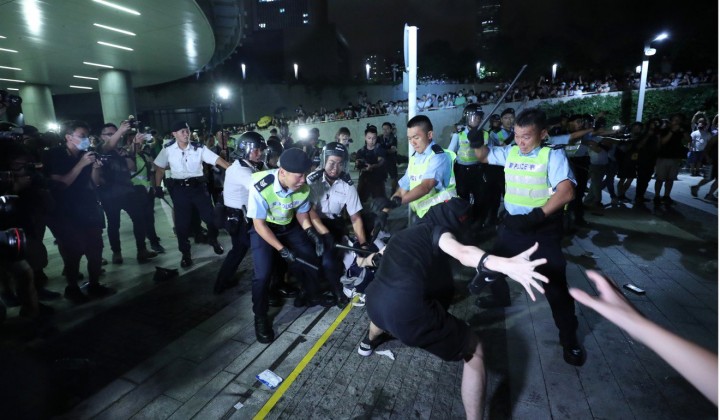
[175,350]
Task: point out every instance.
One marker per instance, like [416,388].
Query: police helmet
[335,149]
[473,111]
[247,142]
[274,149]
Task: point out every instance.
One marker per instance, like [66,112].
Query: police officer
[505,134]
[469,173]
[279,206]
[274,150]
[187,186]
[235,198]
[538,184]
[429,179]
[331,190]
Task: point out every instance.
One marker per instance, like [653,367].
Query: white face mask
[84,144]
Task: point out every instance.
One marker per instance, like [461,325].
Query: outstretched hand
[609,303]
[521,269]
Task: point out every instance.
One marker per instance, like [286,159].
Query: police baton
[502,98]
[356,250]
[167,202]
[303,262]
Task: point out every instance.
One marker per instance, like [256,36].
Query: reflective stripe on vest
[466,154]
[415,173]
[526,178]
[141,177]
[281,210]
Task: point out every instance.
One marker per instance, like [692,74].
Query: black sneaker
[574,354]
[694,190]
[98,290]
[155,246]
[217,248]
[186,261]
[75,295]
[668,201]
[366,347]
[144,255]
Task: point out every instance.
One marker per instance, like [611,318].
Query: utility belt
[275,228]
[187,182]
[235,220]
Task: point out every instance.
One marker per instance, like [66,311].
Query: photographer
[77,221]
[142,178]
[117,191]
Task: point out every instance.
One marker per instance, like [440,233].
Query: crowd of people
[296,208]
[524,90]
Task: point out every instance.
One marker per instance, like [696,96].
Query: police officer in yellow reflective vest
[279,207]
[469,172]
[538,184]
[430,178]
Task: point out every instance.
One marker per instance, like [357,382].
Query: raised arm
[696,364]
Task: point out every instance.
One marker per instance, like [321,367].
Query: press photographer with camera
[117,191]
[77,222]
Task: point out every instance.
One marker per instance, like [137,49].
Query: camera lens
[12,244]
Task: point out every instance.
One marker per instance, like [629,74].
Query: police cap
[295,161]
[507,111]
[179,125]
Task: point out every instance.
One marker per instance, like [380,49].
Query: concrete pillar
[37,106]
[116,95]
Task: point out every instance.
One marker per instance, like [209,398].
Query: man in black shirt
[413,288]
[672,150]
[370,161]
[78,220]
[389,142]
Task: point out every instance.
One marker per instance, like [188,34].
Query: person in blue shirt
[538,185]
[429,179]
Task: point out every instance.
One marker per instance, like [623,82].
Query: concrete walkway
[175,350]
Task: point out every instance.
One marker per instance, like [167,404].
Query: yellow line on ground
[265,410]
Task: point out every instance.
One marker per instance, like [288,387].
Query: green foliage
[658,103]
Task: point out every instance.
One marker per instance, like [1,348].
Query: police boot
[263,329]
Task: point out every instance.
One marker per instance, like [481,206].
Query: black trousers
[495,177]
[147,204]
[113,201]
[240,236]
[74,242]
[184,200]
[510,243]
[470,180]
[580,167]
[264,255]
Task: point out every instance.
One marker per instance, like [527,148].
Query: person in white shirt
[187,186]
[248,160]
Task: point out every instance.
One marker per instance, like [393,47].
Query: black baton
[301,261]
[356,250]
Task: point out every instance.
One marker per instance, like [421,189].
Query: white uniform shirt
[185,163]
[238,181]
[330,199]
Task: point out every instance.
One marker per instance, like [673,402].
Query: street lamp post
[296,68]
[647,52]
[367,70]
[554,72]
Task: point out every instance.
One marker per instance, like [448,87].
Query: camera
[12,241]
[360,164]
[134,124]
[103,158]
[12,103]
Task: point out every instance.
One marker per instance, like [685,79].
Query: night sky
[584,34]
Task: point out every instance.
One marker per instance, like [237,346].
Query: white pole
[641,94]
[412,71]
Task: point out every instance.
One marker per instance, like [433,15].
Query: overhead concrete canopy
[48,42]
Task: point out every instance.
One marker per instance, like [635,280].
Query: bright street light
[647,53]
[367,70]
[554,72]
[223,93]
[296,67]
[242,66]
